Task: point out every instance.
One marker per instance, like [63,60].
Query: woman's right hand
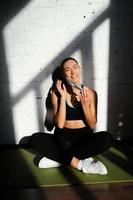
[61,88]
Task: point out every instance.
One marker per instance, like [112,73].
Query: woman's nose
[72,71]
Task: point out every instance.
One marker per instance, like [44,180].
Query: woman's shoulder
[54,93]
[91,90]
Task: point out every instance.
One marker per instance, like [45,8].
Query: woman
[75,115]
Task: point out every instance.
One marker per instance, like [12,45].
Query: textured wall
[37,34]
[120,97]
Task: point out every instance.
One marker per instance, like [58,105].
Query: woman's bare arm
[59,105]
[89,103]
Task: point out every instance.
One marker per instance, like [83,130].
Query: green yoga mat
[17,169]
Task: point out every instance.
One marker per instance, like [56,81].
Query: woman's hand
[88,99]
[59,106]
[61,88]
[85,96]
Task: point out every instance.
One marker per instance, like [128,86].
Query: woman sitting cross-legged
[75,115]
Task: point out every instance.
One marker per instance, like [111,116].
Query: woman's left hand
[88,99]
[85,95]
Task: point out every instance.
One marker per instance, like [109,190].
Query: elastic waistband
[71,130]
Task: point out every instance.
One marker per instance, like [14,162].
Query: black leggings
[66,143]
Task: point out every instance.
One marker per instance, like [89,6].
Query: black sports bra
[74,113]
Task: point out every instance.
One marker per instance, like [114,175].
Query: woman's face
[72,71]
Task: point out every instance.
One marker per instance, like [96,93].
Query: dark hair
[65,60]
[56,74]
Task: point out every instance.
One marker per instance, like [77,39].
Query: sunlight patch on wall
[101,38]
[25,112]
[42,32]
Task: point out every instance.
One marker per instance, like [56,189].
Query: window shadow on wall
[10,161]
[8,137]
[120,69]
[82,42]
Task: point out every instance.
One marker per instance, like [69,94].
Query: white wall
[36,39]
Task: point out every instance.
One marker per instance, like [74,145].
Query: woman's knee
[35,138]
[106,139]
[109,141]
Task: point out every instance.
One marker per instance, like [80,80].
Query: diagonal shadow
[7,13]
[83,193]
[125,162]
[85,37]
[8,10]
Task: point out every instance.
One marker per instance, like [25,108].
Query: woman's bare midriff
[74,124]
